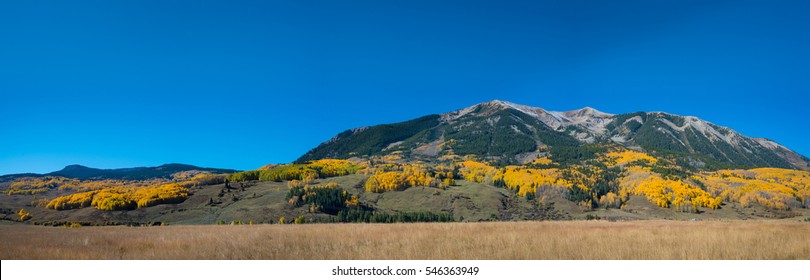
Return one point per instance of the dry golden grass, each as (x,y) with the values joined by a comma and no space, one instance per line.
(501,240)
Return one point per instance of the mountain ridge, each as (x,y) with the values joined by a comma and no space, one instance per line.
(82,172)
(504,130)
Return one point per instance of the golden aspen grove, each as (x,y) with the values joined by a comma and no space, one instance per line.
(639,175)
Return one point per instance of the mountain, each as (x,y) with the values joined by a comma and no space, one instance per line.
(508,132)
(494,161)
(135,173)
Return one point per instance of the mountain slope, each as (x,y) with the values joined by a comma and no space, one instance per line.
(369,140)
(506,132)
(703,141)
(492,130)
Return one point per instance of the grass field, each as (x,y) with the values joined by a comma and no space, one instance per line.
(496,240)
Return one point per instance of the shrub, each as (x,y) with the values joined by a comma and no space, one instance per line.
(24,216)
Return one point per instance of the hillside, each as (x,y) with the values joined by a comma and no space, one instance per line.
(625,186)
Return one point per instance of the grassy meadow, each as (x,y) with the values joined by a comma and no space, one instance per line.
(577,240)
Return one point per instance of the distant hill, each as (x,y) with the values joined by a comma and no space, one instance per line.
(135,173)
(508,132)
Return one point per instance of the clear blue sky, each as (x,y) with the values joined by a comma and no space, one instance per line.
(238,84)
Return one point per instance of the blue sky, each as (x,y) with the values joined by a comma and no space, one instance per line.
(238,84)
